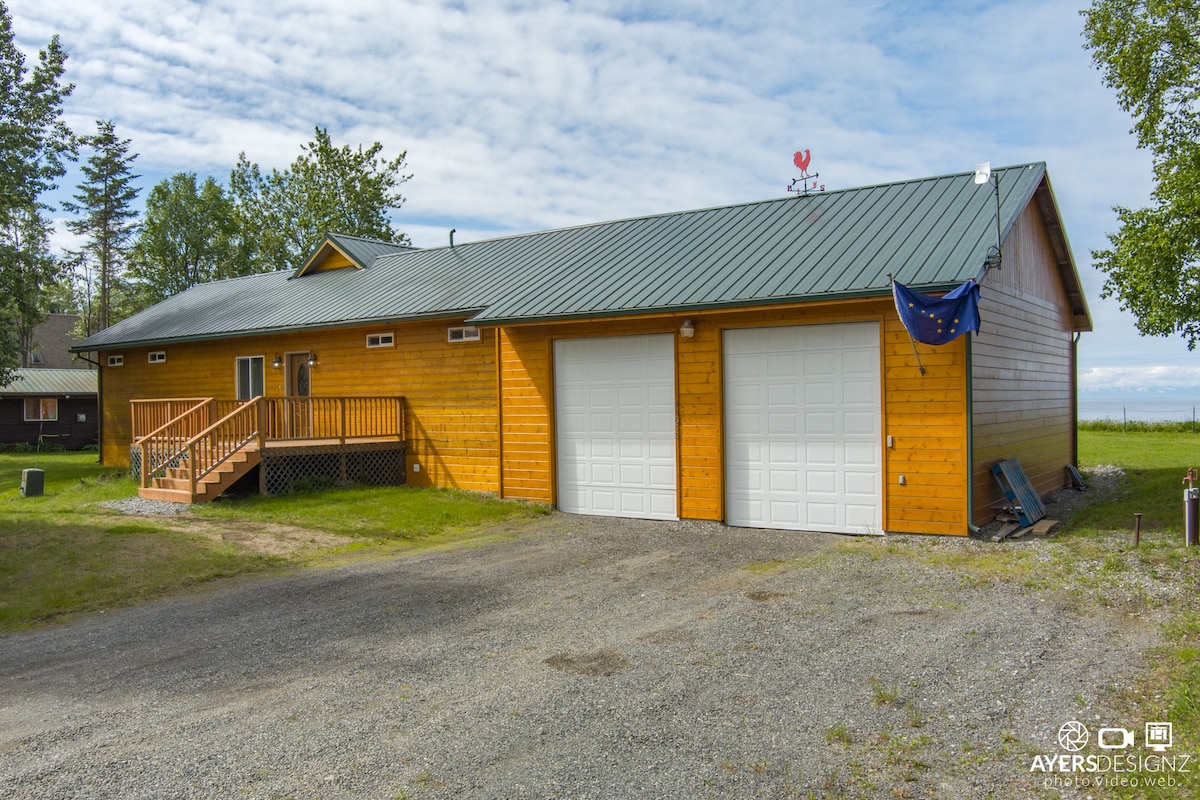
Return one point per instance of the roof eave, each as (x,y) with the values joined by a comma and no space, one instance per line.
(766,302)
(461,313)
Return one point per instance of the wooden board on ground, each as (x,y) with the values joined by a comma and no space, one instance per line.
(1044,526)
(1006,530)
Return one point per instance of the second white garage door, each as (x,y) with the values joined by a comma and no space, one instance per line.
(802,428)
(615,417)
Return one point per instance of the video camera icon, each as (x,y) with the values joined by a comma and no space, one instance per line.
(1114,738)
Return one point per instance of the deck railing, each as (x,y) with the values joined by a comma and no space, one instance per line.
(206,431)
(215,445)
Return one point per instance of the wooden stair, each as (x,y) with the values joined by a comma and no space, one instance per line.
(175,485)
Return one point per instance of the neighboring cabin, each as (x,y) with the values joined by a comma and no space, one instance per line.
(743,364)
(53,396)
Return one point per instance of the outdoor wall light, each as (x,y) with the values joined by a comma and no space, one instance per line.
(312,358)
(278,362)
(687,330)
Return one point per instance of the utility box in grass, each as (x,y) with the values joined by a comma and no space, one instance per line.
(32,481)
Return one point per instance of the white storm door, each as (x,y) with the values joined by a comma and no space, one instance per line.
(803,423)
(615,419)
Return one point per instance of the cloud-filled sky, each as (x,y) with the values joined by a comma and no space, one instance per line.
(522,115)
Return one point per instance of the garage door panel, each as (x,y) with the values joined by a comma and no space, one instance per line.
(781,424)
(820,423)
(860,423)
(808,399)
(615,401)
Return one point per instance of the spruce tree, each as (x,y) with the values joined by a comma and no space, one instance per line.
(107,222)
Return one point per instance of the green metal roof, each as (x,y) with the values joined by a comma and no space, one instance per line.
(50,382)
(930,233)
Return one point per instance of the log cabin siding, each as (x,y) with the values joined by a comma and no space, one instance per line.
(925,415)
(449,388)
(1022,369)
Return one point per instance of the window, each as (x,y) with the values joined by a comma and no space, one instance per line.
(463,334)
(41,409)
(116,361)
(381,340)
(158,357)
(250,377)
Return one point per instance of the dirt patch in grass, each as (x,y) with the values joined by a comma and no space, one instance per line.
(268,539)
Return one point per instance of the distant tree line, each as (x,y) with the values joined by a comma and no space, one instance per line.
(191,231)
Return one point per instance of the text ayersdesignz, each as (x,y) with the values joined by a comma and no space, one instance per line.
(1116,763)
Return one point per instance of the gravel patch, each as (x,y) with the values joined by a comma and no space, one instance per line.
(581,657)
(140,507)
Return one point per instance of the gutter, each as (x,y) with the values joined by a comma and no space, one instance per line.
(85,347)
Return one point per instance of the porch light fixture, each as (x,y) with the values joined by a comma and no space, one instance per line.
(312,358)
(687,330)
(278,362)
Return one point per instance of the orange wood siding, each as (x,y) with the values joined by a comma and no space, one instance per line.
(527,431)
(450,389)
(334,261)
(1023,368)
(926,415)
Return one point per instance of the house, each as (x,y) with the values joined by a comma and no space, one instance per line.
(52,398)
(744,364)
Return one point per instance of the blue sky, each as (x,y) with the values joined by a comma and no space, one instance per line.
(521,115)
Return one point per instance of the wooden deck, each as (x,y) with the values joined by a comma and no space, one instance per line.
(191,450)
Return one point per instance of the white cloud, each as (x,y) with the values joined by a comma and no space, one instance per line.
(1139,378)
(520,115)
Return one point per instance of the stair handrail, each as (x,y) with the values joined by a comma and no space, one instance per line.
(225,437)
(152,465)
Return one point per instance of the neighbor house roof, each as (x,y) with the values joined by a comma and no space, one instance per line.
(52,340)
(50,382)
(931,233)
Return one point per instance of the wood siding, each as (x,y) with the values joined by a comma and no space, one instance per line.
(926,416)
(66,432)
(450,389)
(1022,369)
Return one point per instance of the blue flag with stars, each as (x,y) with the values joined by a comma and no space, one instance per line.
(937,320)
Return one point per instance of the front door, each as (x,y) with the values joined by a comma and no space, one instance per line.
(299,389)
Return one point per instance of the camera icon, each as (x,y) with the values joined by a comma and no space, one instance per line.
(1114,738)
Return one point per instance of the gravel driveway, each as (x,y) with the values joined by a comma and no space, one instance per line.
(582,658)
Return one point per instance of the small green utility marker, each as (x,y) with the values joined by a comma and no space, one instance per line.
(32,482)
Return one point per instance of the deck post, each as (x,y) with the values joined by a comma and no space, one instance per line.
(192,469)
(145,476)
(342,429)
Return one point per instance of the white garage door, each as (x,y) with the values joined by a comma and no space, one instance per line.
(615,414)
(802,427)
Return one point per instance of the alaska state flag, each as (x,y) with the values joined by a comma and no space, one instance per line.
(937,320)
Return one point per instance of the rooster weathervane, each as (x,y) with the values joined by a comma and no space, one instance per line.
(808,182)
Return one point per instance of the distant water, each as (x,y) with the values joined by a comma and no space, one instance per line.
(1139,409)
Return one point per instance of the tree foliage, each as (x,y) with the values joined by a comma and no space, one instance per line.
(188,236)
(1149,52)
(107,221)
(35,145)
(284,215)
